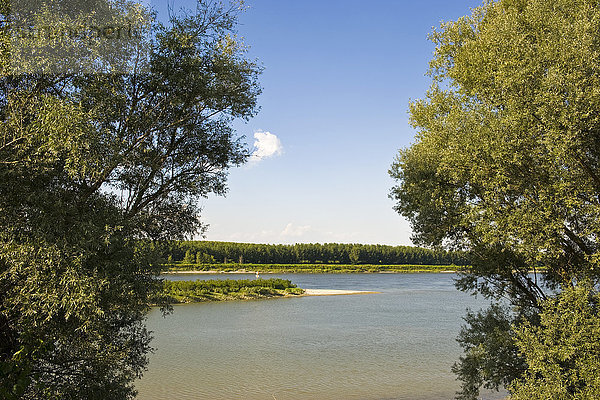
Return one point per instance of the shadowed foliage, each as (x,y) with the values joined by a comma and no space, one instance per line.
(94,157)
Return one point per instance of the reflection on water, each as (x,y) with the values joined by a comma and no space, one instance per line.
(399,344)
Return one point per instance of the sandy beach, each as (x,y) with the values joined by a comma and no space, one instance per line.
(333,292)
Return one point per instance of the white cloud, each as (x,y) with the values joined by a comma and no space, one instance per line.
(295,231)
(267,145)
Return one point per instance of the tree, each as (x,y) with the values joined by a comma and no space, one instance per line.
(506,163)
(563,352)
(97,168)
(189,258)
(203,258)
(354,254)
(492,359)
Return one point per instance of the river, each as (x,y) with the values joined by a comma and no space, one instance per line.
(397,344)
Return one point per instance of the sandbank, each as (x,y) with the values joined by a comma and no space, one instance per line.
(333,292)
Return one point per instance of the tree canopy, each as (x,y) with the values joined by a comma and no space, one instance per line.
(99,163)
(506,162)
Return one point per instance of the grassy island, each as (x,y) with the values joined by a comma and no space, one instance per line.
(177,292)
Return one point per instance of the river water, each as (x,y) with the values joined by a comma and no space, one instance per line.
(397,344)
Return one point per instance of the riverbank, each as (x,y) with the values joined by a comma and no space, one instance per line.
(305,268)
(334,292)
(261,293)
(243,271)
(264,293)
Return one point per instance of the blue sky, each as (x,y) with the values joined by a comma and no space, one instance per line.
(338,79)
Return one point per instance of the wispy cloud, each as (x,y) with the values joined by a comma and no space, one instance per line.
(295,231)
(266,145)
(291,233)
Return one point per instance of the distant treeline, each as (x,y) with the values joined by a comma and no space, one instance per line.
(206,252)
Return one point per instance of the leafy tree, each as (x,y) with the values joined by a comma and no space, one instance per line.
(354,254)
(492,359)
(189,257)
(506,163)
(203,258)
(563,352)
(97,168)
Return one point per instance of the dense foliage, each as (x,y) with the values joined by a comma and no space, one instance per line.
(226,289)
(562,352)
(506,163)
(306,253)
(92,160)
